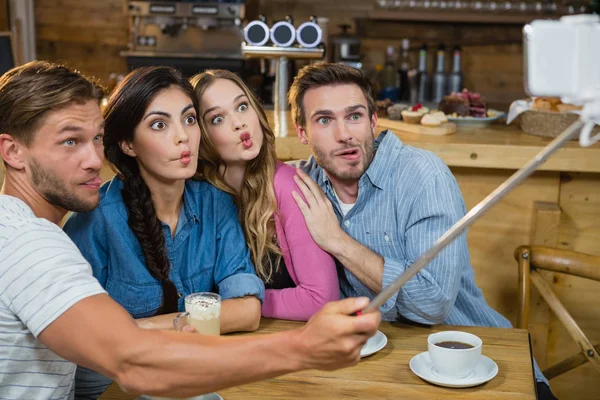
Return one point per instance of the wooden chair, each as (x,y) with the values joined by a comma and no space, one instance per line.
(532,258)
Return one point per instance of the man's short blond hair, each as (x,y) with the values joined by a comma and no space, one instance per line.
(29,92)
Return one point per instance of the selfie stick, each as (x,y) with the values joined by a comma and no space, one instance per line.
(474,215)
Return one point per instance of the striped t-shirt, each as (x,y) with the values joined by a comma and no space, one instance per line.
(42,274)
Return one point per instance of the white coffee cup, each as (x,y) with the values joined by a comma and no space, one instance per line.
(454,363)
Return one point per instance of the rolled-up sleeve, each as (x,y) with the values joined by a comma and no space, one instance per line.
(234,275)
(240,285)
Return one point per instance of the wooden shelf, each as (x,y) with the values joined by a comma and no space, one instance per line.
(456,16)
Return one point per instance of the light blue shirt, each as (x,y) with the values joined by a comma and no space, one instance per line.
(407,199)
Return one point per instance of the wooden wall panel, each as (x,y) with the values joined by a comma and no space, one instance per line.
(93,60)
(86,35)
(4,18)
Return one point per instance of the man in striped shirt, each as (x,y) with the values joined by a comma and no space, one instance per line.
(376,205)
(54,314)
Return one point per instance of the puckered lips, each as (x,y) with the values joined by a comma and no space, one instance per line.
(246,140)
(185,157)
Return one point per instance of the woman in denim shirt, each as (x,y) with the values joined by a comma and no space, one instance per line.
(156,235)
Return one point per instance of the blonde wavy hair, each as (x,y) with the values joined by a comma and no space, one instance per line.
(256,200)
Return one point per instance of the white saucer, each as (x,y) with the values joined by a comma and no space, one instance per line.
(208,396)
(484,371)
(374,344)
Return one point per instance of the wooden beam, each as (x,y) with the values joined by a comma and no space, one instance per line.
(545,223)
(524,288)
(567,365)
(450,16)
(567,262)
(569,323)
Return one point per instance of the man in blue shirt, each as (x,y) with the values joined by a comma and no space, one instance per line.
(382,204)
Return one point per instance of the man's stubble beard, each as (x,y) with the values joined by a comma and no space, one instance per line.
(53,190)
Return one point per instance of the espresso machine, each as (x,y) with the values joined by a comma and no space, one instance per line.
(190,35)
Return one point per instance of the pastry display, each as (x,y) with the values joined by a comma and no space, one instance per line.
(430,120)
(394,111)
(552,104)
(464,104)
(411,117)
(440,116)
(454,105)
(414,114)
(382,106)
(418,116)
(417,119)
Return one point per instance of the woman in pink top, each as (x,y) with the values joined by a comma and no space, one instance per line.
(237,154)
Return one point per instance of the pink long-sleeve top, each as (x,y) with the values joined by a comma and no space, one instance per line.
(312,269)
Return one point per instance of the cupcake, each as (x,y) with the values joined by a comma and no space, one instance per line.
(440,116)
(412,117)
(430,120)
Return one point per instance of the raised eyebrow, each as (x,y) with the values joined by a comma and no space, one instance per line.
(71,128)
(164,114)
(210,110)
(354,108)
(322,113)
(186,108)
(217,107)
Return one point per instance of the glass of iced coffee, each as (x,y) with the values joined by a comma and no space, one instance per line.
(203,312)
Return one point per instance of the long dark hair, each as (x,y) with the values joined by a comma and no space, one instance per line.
(124,111)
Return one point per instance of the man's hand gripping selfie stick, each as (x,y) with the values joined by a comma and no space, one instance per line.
(589,97)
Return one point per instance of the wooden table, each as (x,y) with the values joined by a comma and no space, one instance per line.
(386,374)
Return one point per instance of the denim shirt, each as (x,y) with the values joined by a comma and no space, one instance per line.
(207,253)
